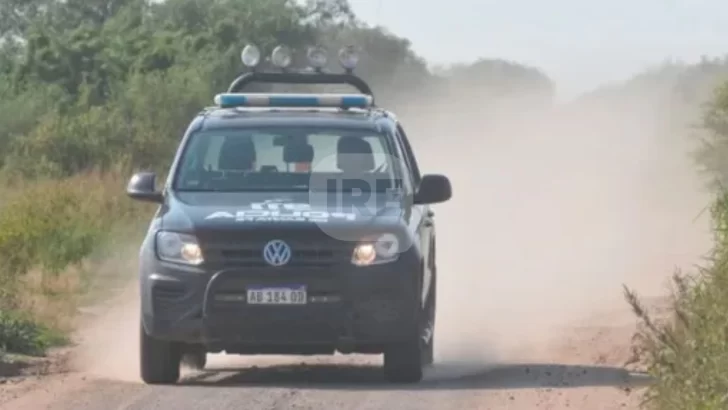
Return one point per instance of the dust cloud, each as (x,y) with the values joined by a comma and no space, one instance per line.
(553,211)
(109,343)
(108,337)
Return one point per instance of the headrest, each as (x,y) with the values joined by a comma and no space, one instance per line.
(237,154)
(354,154)
(297,152)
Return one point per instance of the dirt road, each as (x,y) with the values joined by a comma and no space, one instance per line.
(508,390)
(585,373)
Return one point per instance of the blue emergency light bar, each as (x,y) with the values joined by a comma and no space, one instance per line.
(230,100)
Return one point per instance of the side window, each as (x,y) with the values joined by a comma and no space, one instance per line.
(402,163)
(409,156)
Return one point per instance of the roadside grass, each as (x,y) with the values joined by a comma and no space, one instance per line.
(64,243)
(687,352)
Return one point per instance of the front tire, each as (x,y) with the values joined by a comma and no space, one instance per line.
(403,362)
(159,360)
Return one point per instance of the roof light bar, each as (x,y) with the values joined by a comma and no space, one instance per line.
(230,100)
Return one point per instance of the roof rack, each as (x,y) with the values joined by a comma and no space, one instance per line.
(294,77)
(281,57)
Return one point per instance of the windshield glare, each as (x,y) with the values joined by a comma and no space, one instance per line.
(287,159)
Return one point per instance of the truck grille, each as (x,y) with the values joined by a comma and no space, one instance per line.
(311,252)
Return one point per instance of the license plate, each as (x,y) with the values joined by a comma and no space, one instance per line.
(288,295)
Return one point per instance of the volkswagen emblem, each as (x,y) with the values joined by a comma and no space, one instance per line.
(277,253)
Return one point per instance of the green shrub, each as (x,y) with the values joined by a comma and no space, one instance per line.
(687,353)
(20,334)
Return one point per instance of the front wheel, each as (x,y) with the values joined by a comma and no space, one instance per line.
(403,362)
(159,360)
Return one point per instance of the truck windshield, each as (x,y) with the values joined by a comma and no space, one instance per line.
(287,159)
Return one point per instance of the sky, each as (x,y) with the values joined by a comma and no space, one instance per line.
(579,44)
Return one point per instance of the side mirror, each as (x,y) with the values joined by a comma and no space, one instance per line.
(433,189)
(142,187)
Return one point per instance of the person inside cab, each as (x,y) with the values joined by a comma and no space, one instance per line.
(298,155)
(301,154)
(237,154)
(354,156)
(355,160)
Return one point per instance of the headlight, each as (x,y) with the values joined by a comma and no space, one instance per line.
(179,248)
(377,250)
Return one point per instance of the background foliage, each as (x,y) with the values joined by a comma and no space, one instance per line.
(92,90)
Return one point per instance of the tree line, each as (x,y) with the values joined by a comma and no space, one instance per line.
(97,83)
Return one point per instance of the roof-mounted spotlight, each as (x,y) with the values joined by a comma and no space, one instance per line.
(349,58)
(250,56)
(317,58)
(281,57)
